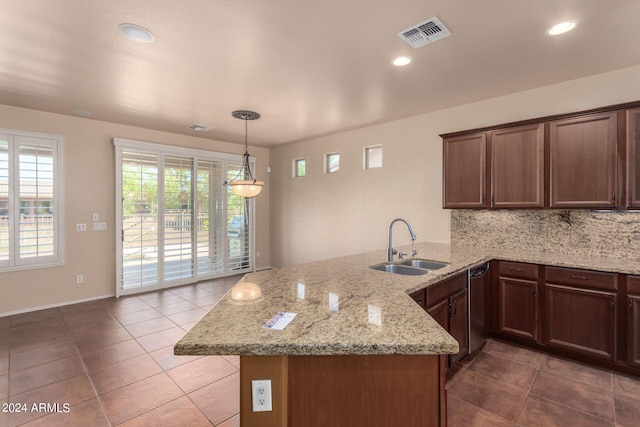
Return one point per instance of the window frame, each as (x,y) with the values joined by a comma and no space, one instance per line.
(295,167)
(55,143)
(366,157)
(327,162)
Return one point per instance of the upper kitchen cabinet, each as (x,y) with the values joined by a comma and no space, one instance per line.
(633,158)
(465,171)
(583,161)
(517,167)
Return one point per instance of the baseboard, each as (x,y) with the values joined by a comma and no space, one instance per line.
(61,304)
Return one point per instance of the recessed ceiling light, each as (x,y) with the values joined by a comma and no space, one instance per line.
(401,61)
(562,28)
(136,33)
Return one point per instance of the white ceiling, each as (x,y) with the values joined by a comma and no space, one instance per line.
(310,68)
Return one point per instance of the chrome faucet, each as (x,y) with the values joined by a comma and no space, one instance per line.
(390,250)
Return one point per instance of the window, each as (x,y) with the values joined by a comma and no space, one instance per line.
(299,167)
(332,163)
(30,200)
(373,157)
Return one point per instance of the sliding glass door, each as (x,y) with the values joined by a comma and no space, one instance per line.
(178,222)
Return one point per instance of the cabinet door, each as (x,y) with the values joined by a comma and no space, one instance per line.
(517,167)
(518,315)
(440,313)
(633,159)
(581,320)
(465,171)
(583,161)
(459,323)
(633,330)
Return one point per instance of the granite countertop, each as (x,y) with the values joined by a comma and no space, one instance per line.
(342,298)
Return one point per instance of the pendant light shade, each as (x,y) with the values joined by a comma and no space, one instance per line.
(244,184)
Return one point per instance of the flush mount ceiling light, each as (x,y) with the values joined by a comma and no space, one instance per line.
(136,33)
(562,27)
(401,61)
(244,184)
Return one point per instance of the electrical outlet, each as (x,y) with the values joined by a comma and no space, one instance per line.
(81,227)
(261,395)
(79,279)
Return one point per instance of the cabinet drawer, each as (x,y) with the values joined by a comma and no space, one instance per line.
(633,284)
(445,289)
(518,269)
(588,278)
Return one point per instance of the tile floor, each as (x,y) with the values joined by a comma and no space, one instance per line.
(112,361)
(507,385)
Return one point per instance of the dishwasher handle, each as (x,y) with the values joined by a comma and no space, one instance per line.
(479,271)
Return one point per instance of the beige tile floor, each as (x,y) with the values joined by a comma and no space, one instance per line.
(112,361)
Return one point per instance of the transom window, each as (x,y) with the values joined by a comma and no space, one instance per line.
(332,163)
(373,157)
(299,167)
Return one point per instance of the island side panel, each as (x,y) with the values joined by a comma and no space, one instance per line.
(272,368)
(381,390)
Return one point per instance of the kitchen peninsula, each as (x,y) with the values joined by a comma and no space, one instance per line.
(359,349)
(356,330)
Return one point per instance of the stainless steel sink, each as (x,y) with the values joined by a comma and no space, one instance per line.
(426,264)
(400,269)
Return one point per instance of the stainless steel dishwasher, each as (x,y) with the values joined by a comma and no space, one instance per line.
(478,287)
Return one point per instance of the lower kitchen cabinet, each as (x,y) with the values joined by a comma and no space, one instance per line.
(633,321)
(518,300)
(581,320)
(447,302)
(581,311)
(459,323)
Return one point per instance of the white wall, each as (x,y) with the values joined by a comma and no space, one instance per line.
(322,216)
(90,187)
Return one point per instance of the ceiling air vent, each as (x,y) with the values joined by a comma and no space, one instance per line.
(200,128)
(424,33)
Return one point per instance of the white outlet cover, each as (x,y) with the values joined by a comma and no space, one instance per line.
(261,395)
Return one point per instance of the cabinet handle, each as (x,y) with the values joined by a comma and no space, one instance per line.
(455,306)
(514,269)
(630,306)
(613,303)
(534,290)
(579,277)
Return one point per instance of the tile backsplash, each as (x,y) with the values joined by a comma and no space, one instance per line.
(575,232)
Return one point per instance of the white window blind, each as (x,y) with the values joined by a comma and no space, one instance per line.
(179,222)
(30,200)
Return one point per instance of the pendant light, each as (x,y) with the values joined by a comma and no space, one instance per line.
(244,184)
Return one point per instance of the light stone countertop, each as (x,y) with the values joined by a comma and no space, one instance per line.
(323,329)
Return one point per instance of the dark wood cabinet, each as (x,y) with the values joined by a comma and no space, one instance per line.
(518,313)
(465,167)
(459,323)
(447,302)
(517,167)
(583,161)
(440,313)
(419,298)
(633,159)
(581,311)
(633,321)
